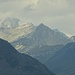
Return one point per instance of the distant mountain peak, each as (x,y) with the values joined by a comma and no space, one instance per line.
(42,27)
(42,24)
(9,22)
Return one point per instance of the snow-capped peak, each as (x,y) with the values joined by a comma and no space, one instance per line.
(9,22)
(25,25)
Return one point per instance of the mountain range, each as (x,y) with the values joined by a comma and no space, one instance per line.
(14,63)
(25,36)
(42,35)
(63,62)
(44,53)
(50,46)
(10,29)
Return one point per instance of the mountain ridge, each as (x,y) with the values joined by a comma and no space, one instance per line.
(42,35)
(12,62)
(62,63)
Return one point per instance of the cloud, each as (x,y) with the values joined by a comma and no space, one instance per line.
(64,23)
(55,13)
(3,15)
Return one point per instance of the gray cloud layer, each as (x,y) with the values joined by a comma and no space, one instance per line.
(55,13)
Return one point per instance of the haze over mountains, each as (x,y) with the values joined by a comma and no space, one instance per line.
(41,42)
(27,35)
(42,35)
(10,29)
(14,63)
(44,53)
(63,62)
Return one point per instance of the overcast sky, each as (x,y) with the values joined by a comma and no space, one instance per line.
(58,14)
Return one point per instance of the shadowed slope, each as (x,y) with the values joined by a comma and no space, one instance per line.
(15,63)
